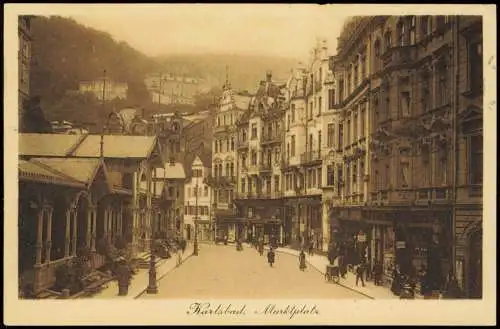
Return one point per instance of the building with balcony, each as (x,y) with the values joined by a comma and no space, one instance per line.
(409,123)
(198,202)
(308,90)
(224,161)
(260,132)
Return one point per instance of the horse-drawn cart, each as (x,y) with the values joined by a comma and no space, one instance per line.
(332,274)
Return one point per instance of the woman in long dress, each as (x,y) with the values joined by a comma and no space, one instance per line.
(302,260)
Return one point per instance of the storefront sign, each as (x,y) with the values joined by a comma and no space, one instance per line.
(400,244)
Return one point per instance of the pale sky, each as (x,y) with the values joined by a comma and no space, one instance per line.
(251,29)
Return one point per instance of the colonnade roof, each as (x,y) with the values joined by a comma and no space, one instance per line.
(36,172)
(86,146)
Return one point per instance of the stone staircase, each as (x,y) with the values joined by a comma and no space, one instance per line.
(144,259)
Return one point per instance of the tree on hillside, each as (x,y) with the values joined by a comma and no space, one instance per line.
(66,53)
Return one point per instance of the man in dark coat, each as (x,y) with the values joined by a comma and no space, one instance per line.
(270,257)
(360,271)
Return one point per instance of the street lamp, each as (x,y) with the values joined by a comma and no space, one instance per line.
(152,287)
(195,246)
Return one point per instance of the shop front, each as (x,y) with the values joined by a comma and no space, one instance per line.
(412,239)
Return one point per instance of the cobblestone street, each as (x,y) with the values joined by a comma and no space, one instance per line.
(222,272)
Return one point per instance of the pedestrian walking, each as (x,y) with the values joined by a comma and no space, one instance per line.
(179,257)
(311,248)
(261,248)
(360,269)
(302,260)
(342,266)
(396,281)
(270,257)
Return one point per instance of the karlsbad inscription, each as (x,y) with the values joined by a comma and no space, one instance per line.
(288,310)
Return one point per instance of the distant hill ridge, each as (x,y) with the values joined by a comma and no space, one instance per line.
(65,53)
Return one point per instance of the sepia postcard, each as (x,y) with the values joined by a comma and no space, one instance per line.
(249,164)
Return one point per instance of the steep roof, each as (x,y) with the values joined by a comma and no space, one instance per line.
(34,172)
(47,144)
(81,170)
(116,146)
(175,171)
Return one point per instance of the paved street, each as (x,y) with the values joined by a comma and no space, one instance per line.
(222,272)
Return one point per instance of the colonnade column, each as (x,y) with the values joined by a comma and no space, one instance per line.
(39,236)
(75,233)
(48,245)
(89,227)
(94,227)
(67,240)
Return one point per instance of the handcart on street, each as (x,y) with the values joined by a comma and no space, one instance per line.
(332,273)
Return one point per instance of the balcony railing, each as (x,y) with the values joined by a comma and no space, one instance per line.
(432,195)
(265,167)
(397,56)
(271,138)
(259,195)
(242,144)
(311,156)
(225,180)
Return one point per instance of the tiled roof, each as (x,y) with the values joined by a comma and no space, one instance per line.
(116,146)
(47,144)
(32,171)
(82,170)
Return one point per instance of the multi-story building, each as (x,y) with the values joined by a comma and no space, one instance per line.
(198,202)
(348,140)
(224,161)
(468,221)
(410,120)
(170,89)
(23,59)
(259,146)
(104,87)
(303,152)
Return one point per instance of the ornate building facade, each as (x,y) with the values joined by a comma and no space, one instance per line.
(411,121)
(224,161)
(259,185)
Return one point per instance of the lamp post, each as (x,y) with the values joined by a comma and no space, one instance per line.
(152,287)
(195,245)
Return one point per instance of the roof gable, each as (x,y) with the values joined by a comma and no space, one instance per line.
(116,146)
(42,145)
